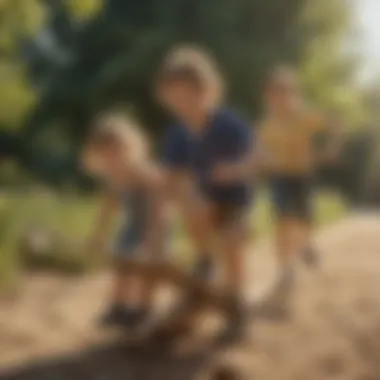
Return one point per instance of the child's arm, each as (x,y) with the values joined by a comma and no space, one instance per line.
(333,144)
(333,131)
(102,225)
(239,170)
(245,168)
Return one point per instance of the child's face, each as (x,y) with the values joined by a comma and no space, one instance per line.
(108,157)
(280,96)
(182,98)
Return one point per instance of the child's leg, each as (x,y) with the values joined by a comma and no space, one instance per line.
(293,206)
(200,228)
(286,223)
(285,235)
(137,291)
(147,287)
(122,288)
(145,295)
(121,298)
(304,213)
(286,230)
(293,233)
(233,232)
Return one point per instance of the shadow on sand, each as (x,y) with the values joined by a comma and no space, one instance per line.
(123,360)
(119,361)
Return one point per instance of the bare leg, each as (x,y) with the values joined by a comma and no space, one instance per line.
(121,296)
(286,231)
(145,296)
(199,226)
(233,236)
(306,245)
(122,288)
(286,250)
(232,245)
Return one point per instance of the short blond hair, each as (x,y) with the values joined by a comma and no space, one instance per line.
(284,75)
(111,128)
(195,64)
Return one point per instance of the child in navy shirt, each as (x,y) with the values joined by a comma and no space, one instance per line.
(203,136)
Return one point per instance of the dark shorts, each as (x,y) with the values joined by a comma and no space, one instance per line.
(292,196)
(128,239)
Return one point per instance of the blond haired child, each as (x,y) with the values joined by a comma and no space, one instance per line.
(116,151)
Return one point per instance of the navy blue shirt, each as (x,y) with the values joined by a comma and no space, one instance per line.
(226,139)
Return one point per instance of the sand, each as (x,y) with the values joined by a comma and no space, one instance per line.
(332,331)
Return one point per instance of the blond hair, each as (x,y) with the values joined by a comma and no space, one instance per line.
(203,66)
(284,75)
(115,128)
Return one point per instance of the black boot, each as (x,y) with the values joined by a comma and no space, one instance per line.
(310,257)
(120,316)
(235,321)
(204,268)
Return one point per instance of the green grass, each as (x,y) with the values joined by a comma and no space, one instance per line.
(72,216)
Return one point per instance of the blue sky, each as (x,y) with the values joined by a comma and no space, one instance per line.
(368,13)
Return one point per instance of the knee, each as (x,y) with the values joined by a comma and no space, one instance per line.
(233,243)
(198,222)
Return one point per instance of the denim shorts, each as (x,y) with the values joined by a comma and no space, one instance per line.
(292,196)
(128,239)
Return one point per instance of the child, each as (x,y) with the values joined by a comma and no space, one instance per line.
(286,144)
(116,152)
(205,134)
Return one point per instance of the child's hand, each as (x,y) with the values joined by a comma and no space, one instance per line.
(224,173)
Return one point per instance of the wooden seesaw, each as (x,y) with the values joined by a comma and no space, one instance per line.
(175,322)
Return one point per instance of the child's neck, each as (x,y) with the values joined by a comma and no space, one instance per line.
(288,111)
(199,120)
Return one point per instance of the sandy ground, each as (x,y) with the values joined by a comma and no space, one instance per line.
(333,331)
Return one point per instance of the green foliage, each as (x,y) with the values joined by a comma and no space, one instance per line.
(328,70)
(371,191)
(18,20)
(41,211)
(83,9)
(105,53)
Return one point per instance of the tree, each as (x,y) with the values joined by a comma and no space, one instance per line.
(18,20)
(328,69)
(106,53)
(371,182)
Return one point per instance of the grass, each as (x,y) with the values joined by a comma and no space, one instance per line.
(72,216)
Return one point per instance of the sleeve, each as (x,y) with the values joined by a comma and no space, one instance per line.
(175,152)
(238,139)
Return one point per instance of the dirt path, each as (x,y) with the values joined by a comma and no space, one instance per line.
(333,332)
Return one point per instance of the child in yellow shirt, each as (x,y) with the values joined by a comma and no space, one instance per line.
(286,151)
